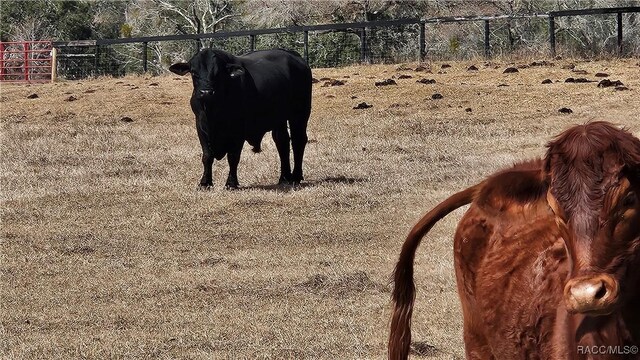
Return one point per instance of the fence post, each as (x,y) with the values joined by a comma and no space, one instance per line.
(306,46)
(144,56)
(25,47)
(423,45)
(487,46)
(252,42)
(509,35)
(2,73)
(363,45)
(552,36)
(54,64)
(96,62)
(619,34)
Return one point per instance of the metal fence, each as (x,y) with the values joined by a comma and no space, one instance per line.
(334,45)
(25,61)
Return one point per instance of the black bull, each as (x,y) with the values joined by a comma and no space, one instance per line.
(240,98)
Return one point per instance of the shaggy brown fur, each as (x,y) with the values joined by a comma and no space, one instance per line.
(546,257)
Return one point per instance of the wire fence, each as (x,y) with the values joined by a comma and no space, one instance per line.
(575,33)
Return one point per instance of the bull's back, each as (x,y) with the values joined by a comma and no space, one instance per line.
(277,73)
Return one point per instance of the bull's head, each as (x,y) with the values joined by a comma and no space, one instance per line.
(211,72)
(594,176)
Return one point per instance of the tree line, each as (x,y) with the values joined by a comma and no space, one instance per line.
(102,19)
(108,19)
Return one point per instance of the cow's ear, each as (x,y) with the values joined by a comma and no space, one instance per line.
(180,68)
(235,70)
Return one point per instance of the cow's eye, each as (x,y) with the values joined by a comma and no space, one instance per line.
(629,200)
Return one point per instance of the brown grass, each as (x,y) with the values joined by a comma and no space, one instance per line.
(109,251)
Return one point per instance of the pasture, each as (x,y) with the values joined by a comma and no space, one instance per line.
(109,250)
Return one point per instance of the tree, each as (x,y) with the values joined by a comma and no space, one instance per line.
(108,18)
(198,16)
(25,20)
(281,13)
(154,17)
(170,17)
(39,20)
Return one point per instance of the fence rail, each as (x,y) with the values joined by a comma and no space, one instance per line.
(321,45)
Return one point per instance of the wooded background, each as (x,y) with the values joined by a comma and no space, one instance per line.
(579,36)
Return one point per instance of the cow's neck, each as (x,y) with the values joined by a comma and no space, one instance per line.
(573,334)
(562,340)
(601,330)
(631,313)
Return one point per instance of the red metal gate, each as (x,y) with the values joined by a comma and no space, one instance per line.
(26,61)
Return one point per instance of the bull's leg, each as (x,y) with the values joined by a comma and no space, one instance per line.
(233,157)
(281,138)
(207,175)
(298,143)
(207,163)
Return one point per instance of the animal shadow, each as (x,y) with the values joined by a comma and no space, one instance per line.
(340,179)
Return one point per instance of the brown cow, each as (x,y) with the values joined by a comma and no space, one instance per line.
(547,257)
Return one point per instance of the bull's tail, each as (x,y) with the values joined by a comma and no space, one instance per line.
(256,142)
(403,294)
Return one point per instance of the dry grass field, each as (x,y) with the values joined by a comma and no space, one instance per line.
(108,250)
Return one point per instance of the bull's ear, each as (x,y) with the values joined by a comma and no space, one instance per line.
(180,68)
(235,70)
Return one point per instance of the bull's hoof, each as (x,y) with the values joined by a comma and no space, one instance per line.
(205,183)
(296,178)
(289,183)
(286,179)
(231,186)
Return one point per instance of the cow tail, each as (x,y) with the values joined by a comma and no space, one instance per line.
(403,294)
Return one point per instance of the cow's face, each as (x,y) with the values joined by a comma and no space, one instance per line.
(212,73)
(605,248)
(594,175)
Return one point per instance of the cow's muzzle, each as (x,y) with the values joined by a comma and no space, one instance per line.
(591,295)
